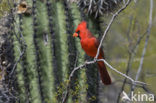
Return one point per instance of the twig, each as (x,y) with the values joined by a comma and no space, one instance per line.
(132,53)
(109,25)
(129,29)
(146,43)
(124,75)
(21,40)
(127,72)
(95,59)
(13,69)
(70,77)
(91,62)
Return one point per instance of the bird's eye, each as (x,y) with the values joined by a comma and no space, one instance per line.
(78,32)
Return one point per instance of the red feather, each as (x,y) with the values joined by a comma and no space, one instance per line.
(90,45)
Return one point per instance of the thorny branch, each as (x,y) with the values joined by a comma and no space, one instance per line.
(65,95)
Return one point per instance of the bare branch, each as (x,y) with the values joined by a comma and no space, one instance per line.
(21,40)
(65,96)
(109,25)
(146,43)
(122,74)
(129,60)
(132,53)
(91,62)
(13,69)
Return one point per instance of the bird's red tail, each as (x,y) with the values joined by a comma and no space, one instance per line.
(104,73)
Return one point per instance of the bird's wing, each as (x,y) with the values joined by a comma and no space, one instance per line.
(97,43)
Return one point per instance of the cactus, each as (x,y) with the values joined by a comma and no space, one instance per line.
(6,61)
(43,30)
(98,7)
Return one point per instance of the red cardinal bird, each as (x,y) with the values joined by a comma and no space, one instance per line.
(90,44)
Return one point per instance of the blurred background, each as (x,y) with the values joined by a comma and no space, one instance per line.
(46,27)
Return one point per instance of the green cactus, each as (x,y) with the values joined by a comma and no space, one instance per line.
(51,53)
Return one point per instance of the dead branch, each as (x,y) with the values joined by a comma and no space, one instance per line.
(146,43)
(132,53)
(65,95)
(109,25)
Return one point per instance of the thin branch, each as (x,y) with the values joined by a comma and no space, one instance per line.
(91,62)
(65,97)
(129,29)
(109,25)
(21,40)
(64,100)
(146,43)
(122,74)
(127,72)
(13,69)
(132,53)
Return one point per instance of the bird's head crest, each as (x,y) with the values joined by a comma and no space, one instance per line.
(80,28)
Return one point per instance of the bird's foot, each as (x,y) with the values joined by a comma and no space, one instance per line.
(95,59)
(86,61)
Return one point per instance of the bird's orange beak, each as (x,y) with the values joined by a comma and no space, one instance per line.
(75,35)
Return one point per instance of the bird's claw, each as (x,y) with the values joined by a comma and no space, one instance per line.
(95,59)
(86,61)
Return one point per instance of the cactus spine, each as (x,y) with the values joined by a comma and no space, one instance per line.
(51,54)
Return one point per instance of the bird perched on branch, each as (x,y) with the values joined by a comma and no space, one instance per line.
(90,45)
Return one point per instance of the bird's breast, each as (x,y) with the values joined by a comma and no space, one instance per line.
(89,47)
